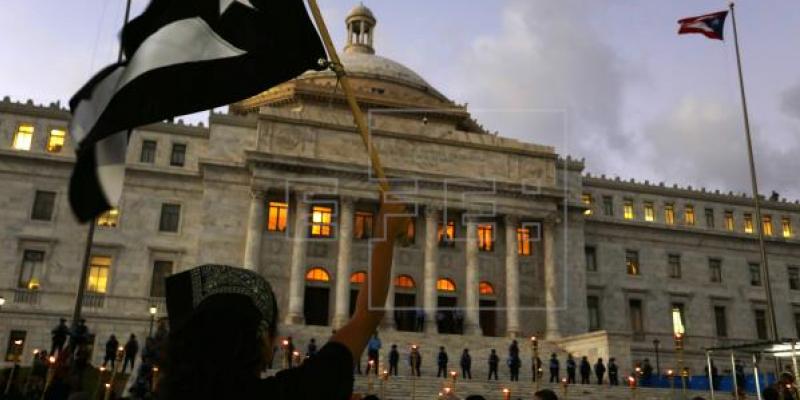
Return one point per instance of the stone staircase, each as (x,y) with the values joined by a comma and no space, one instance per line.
(479,348)
(427,388)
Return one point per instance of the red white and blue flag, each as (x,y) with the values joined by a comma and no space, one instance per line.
(710,25)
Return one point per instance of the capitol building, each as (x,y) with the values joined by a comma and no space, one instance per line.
(509,239)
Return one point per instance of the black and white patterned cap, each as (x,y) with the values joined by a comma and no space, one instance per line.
(186,291)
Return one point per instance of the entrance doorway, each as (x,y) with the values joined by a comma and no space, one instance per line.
(316,305)
(446,315)
(405,317)
(488,317)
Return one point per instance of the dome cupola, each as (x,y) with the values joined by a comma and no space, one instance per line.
(360,26)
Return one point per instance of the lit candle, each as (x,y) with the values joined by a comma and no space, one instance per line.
(506,394)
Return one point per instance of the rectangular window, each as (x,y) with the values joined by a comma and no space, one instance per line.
(593,305)
(277,216)
(178,156)
(591,258)
(321,221)
(56,140)
(678,318)
(363,225)
(688,215)
(23,138)
(486,237)
(148,154)
(674,261)
(16,344)
(161,270)
(786,227)
(97,280)
(669,214)
(709,217)
(170,217)
(43,204)
(447,236)
(628,209)
(109,219)
(588,201)
(632,262)
(715,270)
(755,274)
(793,274)
(524,241)
(411,231)
(32,269)
(729,224)
(636,318)
(761,324)
(721,321)
(766,225)
(608,206)
(649,212)
(748,223)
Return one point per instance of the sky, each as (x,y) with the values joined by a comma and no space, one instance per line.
(605,80)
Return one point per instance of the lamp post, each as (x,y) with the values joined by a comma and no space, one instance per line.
(371,364)
(453,375)
(564,386)
(535,353)
(656,343)
(285,349)
(153,312)
(632,383)
(671,377)
(413,374)
(384,379)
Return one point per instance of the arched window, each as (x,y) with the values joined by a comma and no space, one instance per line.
(317,275)
(445,285)
(486,289)
(404,281)
(358,277)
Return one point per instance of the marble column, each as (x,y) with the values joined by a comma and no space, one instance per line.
(298,265)
(512,277)
(472,298)
(430,275)
(551,281)
(255,229)
(343,268)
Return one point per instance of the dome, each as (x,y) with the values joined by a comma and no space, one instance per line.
(360,11)
(376,67)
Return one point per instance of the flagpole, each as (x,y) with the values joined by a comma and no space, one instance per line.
(358,115)
(756,200)
(87,254)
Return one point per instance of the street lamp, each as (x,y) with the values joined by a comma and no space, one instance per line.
(2,302)
(656,343)
(153,312)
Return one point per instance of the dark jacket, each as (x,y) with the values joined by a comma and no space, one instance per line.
(494,360)
(442,358)
(466,361)
(586,368)
(131,348)
(394,357)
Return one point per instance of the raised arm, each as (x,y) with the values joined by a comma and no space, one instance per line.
(355,334)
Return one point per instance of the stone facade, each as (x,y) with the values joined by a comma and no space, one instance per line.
(296,144)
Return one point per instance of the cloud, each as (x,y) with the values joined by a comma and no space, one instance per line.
(701,142)
(790,101)
(548,57)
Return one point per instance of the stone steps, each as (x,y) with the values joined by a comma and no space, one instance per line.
(401,387)
(479,348)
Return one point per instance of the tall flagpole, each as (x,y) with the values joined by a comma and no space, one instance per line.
(773,323)
(358,115)
(87,254)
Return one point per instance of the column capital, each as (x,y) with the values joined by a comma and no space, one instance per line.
(551,218)
(347,199)
(258,193)
(431,207)
(511,219)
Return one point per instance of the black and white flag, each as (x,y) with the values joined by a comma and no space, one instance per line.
(181,56)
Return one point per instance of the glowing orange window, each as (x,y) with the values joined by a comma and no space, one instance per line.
(318,275)
(445,285)
(321,221)
(277,216)
(446,236)
(486,288)
(485,237)
(404,281)
(358,277)
(524,241)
